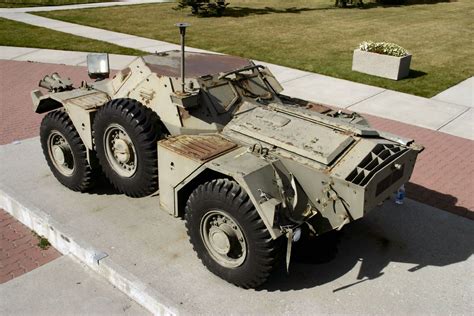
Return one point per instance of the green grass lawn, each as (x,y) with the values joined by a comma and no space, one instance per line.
(313,35)
(36,3)
(24,35)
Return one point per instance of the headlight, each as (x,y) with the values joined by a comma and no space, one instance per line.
(98,66)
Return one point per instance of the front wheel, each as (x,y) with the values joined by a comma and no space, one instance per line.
(228,234)
(65,152)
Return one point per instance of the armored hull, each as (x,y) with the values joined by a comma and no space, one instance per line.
(244,164)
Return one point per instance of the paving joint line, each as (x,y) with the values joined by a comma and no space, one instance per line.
(286,81)
(454,118)
(21,55)
(365,99)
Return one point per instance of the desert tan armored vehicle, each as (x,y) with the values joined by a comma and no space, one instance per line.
(245,165)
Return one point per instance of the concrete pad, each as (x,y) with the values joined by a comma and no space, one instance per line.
(53,56)
(80,6)
(93,33)
(160,48)
(33,19)
(137,42)
(462,93)
(282,73)
(116,62)
(164,47)
(330,91)
(410,109)
(7,52)
(64,287)
(66,27)
(409,259)
(462,126)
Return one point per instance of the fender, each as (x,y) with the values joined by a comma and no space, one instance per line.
(80,104)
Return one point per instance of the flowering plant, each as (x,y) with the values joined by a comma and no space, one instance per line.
(383,48)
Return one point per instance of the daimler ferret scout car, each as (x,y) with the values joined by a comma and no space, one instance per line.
(245,165)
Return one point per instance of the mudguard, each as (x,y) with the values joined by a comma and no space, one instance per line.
(78,103)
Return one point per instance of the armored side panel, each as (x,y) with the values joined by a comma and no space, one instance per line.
(180,157)
(183,159)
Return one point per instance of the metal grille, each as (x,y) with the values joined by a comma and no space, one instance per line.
(381,155)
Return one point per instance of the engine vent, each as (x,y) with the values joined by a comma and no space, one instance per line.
(381,155)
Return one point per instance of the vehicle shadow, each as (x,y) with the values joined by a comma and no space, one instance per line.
(102,186)
(437,199)
(411,233)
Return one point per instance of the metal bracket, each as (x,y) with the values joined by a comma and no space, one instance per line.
(99,256)
(289,236)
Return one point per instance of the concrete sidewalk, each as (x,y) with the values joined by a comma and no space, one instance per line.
(51,56)
(64,287)
(80,6)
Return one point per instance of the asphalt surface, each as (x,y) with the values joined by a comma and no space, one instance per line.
(400,259)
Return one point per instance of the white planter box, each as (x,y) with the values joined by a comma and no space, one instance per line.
(386,66)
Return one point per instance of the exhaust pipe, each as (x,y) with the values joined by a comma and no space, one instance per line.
(182,31)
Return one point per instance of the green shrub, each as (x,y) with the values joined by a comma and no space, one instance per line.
(204,7)
(383,48)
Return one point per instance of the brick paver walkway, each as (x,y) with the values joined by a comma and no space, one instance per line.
(17,80)
(443,176)
(444,172)
(19,250)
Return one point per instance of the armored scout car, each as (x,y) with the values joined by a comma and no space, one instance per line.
(245,165)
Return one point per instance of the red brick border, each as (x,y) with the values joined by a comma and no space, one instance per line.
(444,173)
(19,250)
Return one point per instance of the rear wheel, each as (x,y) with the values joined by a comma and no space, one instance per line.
(228,234)
(65,152)
(125,134)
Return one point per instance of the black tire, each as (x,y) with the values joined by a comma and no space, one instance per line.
(141,126)
(230,199)
(75,173)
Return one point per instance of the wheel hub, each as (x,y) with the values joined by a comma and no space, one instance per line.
(223,238)
(59,154)
(121,150)
(219,240)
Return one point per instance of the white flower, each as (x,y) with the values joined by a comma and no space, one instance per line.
(383,48)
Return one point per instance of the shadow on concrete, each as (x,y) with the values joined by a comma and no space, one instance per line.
(417,236)
(103,187)
(442,201)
